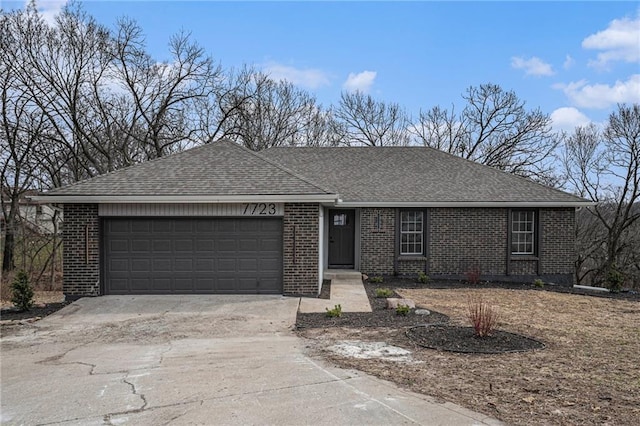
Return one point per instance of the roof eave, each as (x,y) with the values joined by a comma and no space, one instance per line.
(477,204)
(187,199)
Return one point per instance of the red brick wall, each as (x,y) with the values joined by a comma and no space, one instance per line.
(81,272)
(300,228)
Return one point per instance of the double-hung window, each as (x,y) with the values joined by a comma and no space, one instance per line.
(523,232)
(411,232)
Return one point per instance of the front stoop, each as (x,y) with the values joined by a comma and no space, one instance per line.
(342,274)
(347,290)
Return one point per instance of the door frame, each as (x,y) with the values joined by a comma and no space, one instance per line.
(356,238)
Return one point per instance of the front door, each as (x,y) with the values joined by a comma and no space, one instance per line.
(341,238)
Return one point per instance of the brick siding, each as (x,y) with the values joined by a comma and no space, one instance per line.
(464,239)
(81,264)
(300,239)
(377,243)
(557,243)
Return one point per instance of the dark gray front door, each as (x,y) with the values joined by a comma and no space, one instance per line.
(341,238)
(192,255)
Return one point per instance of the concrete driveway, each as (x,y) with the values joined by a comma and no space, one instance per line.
(153,360)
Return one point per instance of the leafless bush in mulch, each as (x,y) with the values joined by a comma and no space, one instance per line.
(587,374)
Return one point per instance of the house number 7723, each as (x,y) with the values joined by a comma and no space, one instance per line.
(262,209)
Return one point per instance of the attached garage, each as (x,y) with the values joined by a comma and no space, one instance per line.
(171,255)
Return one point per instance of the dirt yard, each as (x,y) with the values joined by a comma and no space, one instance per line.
(589,372)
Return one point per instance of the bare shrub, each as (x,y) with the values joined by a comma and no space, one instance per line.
(482,316)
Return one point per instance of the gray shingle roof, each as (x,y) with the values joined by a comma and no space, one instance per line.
(411,174)
(221,168)
(357,174)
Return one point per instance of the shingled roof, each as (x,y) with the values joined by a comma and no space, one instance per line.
(218,171)
(393,175)
(351,176)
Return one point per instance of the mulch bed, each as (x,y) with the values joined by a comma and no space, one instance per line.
(462,339)
(36,311)
(380,317)
(429,331)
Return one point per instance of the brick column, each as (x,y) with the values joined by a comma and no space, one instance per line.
(300,238)
(81,250)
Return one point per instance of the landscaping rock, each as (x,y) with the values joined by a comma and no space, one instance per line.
(393,302)
(365,277)
(422,312)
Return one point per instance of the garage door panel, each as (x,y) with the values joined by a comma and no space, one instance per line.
(140,265)
(183,245)
(183,265)
(161,245)
(119,227)
(140,245)
(205,245)
(227,244)
(193,255)
(161,225)
(270,244)
(227,265)
(161,265)
(119,265)
(205,265)
(248,265)
(161,284)
(116,246)
(140,226)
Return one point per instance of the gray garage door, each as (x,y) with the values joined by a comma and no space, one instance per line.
(192,255)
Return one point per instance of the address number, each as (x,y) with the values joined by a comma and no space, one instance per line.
(259,209)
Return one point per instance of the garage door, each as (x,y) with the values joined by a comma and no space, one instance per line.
(192,255)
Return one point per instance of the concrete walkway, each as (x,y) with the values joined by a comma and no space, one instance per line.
(192,360)
(347,290)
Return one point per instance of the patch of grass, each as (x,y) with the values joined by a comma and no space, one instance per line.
(403,310)
(538,283)
(383,292)
(376,279)
(423,277)
(335,312)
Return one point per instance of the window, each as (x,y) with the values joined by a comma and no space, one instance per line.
(411,232)
(340,219)
(522,232)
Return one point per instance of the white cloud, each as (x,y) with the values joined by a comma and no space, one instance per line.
(568,62)
(532,66)
(360,82)
(619,42)
(568,118)
(587,95)
(308,77)
(49,9)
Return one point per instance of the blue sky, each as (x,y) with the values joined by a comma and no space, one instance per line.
(572,59)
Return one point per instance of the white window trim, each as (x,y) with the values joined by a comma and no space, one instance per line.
(412,233)
(532,233)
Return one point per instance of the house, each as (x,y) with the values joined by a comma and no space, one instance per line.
(222,219)
(33,216)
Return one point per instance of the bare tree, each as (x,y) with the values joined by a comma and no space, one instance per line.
(163,100)
(603,166)
(21,130)
(275,113)
(493,129)
(361,120)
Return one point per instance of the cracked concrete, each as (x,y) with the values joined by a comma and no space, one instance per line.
(154,360)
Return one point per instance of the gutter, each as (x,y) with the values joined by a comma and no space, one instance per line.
(477,204)
(188,199)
